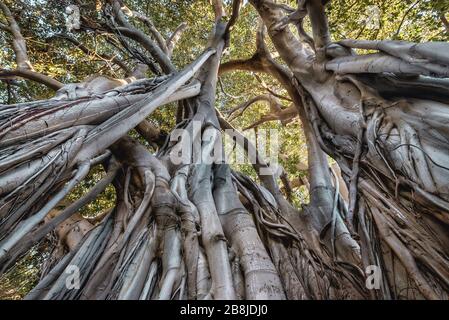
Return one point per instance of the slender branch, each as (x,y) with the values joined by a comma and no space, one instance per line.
(236,5)
(222,88)
(320,26)
(4,27)
(18,42)
(251,64)
(246,104)
(88,51)
(153,30)
(272,92)
(303,35)
(445,22)
(218,10)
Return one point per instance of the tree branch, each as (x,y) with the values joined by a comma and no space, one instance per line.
(218,10)
(266,87)
(251,64)
(416,58)
(445,22)
(245,105)
(148,131)
(4,27)
(135,34)
(320,26)
(287,45)
(268,180)
(31,75)
(153,30)
(405,16)
(285,116)
(24,67)
(236,4)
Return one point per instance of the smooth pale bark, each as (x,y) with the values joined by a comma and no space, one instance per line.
(199,230)
(402,154)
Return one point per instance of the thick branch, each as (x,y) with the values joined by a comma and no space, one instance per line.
(247,65)
(377,63)
(154,32)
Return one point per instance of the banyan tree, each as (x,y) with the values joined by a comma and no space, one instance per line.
(185,224)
